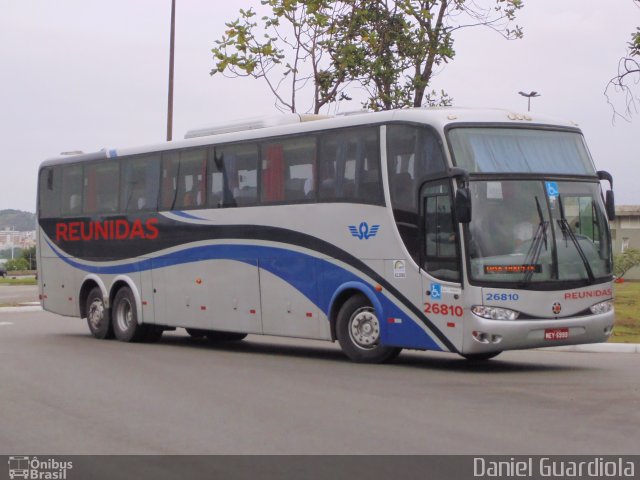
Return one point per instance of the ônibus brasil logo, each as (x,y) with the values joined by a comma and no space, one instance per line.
(37,469)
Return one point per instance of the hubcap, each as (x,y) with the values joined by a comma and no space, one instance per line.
(364,328)
(96,313)
(124,315)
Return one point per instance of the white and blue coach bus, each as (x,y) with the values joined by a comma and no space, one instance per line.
(458,230)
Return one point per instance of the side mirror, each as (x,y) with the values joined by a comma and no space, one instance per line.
(463,205)
(610,205)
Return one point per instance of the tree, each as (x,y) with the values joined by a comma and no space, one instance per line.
(625,82)
(29,256)
(625,261)
(16,265)
(391,49)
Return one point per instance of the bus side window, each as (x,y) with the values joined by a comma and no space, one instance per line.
(101,187)
(168,181)
(48,192)
(239,181)
(349,167)
(140,183)
(71,201)
(288,170)
(191,179)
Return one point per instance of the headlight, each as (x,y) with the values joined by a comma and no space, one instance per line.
(495,313)
(602,307)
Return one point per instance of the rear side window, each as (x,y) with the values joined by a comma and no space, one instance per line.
(288,170)
(49,192)
(349,167)
(71,197)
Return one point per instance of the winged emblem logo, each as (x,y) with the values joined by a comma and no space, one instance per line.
(364,231)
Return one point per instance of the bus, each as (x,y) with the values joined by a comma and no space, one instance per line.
(457,230)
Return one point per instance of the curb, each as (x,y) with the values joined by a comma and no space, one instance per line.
(21,309)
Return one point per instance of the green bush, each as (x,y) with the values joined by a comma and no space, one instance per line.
(625,261)
(17,264)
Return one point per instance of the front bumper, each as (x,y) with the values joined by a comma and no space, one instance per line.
(520,334)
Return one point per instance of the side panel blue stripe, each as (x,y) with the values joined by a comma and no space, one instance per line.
(293,267)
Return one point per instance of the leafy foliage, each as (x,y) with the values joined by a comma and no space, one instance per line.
(624,83)
(391,49)
(17,264)
(625,261)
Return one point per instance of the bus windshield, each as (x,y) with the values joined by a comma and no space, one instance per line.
(520,150)
(533,231)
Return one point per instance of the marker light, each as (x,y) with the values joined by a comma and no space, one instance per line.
(495,313)
(602,307)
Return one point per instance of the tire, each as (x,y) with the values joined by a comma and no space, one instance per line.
(214,336)
(358,332)
(480,357)
(124,318)
(98,317)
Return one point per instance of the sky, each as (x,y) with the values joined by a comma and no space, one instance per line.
(88,74)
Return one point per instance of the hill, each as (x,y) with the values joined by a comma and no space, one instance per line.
(17,220)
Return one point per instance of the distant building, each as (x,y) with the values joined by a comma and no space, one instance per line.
(12,238)
(625,233)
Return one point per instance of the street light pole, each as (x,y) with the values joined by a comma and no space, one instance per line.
(529,95)
(171,49)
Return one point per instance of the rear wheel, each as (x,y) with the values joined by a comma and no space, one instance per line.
(124,316)
(98,315)
(358,330)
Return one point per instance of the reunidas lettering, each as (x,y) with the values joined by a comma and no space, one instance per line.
(107,230)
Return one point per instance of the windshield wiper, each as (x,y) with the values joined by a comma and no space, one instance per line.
(533,255)
(568,232)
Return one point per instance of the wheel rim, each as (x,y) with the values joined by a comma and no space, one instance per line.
(364,328)
(96,314)
(124,315)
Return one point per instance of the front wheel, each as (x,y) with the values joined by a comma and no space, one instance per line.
(358,330)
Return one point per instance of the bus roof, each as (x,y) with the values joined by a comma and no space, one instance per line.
(255,129)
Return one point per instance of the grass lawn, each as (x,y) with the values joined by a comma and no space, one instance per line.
(26,280)
(627,305)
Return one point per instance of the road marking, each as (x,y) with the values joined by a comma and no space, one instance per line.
(6,323)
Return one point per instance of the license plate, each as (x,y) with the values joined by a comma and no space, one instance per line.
(556,333)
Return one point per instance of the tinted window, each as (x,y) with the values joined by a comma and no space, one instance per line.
(413,153)
(183,179)
(139,182)
(288,170)
(349,166)
(101,187)
(440,242)
(238,166)
(49,192)
(71,198)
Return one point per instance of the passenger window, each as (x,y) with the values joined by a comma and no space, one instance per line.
(140,177)
(239,167)
(440,238)
(349,167)
(101,187)
(288,170)
(48,194)
(71,198)
(183,180)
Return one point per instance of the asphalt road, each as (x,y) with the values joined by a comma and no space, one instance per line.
(16,294)
(63,392)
